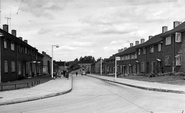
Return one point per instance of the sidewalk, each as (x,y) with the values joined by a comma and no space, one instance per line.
(153,86)
(51,88)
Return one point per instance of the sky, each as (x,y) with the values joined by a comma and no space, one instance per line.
(88,27)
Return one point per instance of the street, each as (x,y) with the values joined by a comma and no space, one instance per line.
(90,95)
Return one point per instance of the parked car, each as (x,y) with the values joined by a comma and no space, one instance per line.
(83,73)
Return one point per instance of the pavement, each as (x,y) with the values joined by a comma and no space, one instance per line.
(153,86)
(62,86)
(51,88)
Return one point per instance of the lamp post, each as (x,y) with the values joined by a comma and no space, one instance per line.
(52,59)
(116,59)
(101,66)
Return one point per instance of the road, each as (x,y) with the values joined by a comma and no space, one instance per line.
(90,95)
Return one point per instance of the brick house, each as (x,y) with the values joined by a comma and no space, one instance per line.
(46,64)
(17,58)
(161,53)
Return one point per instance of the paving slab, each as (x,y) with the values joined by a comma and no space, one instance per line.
(51,88)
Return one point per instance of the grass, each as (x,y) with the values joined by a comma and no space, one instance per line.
(175,80)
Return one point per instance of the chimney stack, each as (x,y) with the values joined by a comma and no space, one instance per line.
(20,38)
(149,37)
(14,32)
(131,44)
(142,40)
(176,23)
(164,29)
(5,27)
(136,43)
(26,41)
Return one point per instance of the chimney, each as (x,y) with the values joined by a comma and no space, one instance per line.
(142,40)
(43,52)
(14,32)
(20,38)
(124,48)
(136,43)
(26,41)
(164,29)
(5,27)
(149,37)
(131,44)
(176,23)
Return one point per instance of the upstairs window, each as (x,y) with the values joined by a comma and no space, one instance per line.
(12,46)
(139,51)
(144,50)
(178,37)
(5,43)
(159,47)
(178,59)
(168,40)
(167,60)
(151,49)
(128,57)
(26,50)
(132,56)
(135,55)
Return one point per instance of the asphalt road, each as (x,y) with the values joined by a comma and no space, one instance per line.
(90,95)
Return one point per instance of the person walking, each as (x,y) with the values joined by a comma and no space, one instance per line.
(76,73)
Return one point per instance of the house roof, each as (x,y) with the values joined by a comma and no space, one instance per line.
(14,38)
(179,28)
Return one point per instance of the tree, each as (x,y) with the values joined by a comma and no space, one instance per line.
(87,59)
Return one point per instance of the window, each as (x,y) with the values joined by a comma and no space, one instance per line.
(13,66)
(178,37)
(168,40)
(144,50)
(128,57)
(132,56)
(136,55)
(151,49)
(178,59)
(5,43)
(26,51)
(5,66)
(139,51)
(167,60)
(12,46)
(159,47)
(19,68)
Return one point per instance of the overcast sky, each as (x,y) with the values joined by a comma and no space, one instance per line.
(89,27)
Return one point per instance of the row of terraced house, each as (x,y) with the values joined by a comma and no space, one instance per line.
(162,53)
(20,60)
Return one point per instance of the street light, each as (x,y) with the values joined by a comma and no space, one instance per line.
(116,59)
(101,66)
(52,59)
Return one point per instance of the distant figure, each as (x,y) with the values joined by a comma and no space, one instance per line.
(67,74)
(64,73)
(76,73)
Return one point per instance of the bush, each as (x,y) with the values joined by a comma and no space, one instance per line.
(151,75)
(179,74)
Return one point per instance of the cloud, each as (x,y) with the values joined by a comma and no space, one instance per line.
(43,8)
(44,31)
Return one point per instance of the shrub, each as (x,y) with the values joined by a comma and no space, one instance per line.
(179,74)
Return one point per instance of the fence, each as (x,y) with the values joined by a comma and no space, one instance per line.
(5,87)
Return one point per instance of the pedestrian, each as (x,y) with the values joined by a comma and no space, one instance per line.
(76,73)
(67,75)
(64,73)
